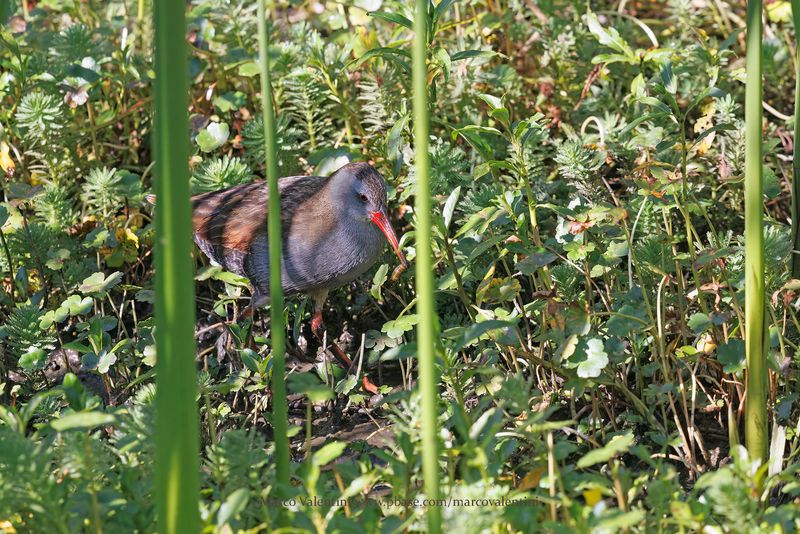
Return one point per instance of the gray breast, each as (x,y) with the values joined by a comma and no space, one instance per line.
(340,258)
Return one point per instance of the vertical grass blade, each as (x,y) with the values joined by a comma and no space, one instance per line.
(177,435)
(277,328)
(796,150)
(755,406)
(427,326)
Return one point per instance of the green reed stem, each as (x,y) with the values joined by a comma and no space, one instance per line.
(428,323)
(277,326)
(177,434)
(796,150)
(756,403)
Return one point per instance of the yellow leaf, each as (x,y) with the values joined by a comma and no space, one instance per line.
(779,11)
(704,123)
(6,163)
(592,496)
(707,120)
(126,235)
(531,480)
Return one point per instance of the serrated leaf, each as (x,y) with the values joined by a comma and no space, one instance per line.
(398,327)
(731,355)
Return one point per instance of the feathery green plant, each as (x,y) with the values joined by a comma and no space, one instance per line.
(219,173)
(177,435)
(428,324)
(309,105)
(277,328)
(105,190)
(756,402)
(286,140)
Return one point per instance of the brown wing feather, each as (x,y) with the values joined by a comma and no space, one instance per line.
(227,222)
(231,218)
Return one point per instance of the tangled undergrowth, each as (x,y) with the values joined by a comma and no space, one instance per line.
(587,168)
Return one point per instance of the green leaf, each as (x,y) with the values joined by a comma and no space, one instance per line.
(620,521)
(535,261)
(307,384)
(7,8)
(477,330)
(233,506)
(698,322)
(444,61)
(389,54)
(346,386)
(57,258)
(33,360)
(392,17)
(450,206)
(398,327)
(596,359)
(731,355)
(609,37)
(378,280)
(249,360)
(77,305)
(468,54)
(82,421)
(328,453)
(493,101)
(98,284)
(441,7)
(249,69)
(213,136)
(668,79)
(617,445)
(100,363)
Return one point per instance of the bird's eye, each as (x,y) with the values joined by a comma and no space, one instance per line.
(363,197)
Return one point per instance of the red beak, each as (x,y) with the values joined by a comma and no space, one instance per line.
(382,222)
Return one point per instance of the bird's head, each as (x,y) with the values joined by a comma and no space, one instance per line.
(362,196)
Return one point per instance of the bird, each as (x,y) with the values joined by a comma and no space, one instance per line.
(333,230)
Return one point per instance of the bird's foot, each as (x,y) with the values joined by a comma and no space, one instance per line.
(318,325)
(318,328)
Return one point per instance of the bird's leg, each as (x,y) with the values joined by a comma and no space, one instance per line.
(318,329)
(257,299)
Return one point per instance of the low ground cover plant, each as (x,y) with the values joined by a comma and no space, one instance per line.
(587,170)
